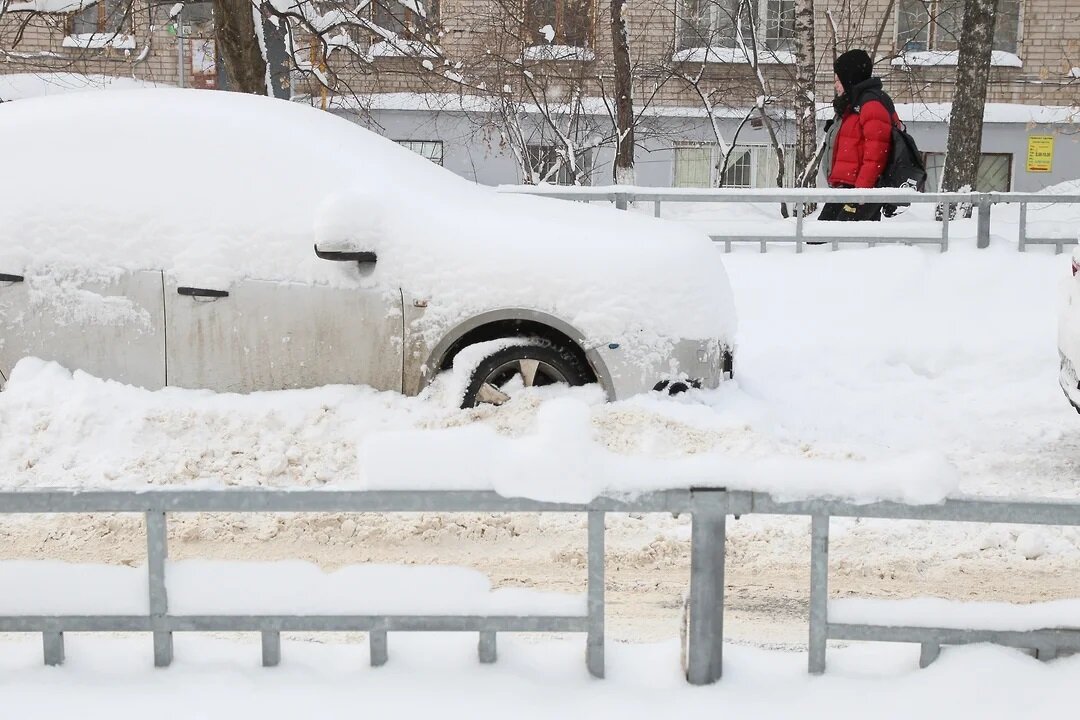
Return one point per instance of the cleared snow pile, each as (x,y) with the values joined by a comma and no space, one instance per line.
(561,461)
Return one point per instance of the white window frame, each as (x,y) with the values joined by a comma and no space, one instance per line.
(420,147)
(932,43)
(717,13)
(1012,167)
(761,155)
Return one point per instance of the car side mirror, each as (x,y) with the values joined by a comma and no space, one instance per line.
(337,253)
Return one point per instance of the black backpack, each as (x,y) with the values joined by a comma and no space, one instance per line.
(905,167)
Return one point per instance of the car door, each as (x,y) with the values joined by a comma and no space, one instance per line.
(264,335)
(110,324)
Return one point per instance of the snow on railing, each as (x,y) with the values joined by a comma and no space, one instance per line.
(625,197)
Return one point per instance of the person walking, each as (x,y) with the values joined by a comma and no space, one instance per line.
(857,138)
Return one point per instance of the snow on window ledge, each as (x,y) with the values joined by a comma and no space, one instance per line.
(49,6)
(98,41)
(948,58)
(558,52)
(1074,73)
(399,47)
(732,56)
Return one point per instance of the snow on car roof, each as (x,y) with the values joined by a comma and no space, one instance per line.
(217,187)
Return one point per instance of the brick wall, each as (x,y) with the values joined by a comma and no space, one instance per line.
(1049,45)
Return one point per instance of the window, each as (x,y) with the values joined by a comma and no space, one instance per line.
(559,22)
(937,24)
(408,19)
(198,19)
(714,23)
(749,166)
(994,175)
(543,159)
(106,17)
(431,149)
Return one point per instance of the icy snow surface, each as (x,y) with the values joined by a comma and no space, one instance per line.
(464,248)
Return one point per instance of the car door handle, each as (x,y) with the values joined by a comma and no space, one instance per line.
(5,277)
(202,292)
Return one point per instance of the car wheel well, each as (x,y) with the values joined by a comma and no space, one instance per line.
(516,328)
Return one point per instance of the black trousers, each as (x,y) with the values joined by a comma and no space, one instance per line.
(866,211)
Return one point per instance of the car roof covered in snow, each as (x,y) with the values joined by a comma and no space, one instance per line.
(214,188)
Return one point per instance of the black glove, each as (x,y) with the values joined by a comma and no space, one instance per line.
(848,212)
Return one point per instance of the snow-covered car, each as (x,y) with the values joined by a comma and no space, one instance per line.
(211,240)
(1069,333)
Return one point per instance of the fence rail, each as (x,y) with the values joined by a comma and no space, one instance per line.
(623,197)
(708,508)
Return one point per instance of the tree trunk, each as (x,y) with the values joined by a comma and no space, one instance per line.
(805,97)
(624,100)
(969,98)
(238,44)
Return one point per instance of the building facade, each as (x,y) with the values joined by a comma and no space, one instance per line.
(509,91)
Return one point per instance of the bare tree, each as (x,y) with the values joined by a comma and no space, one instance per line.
(623,170)
(805,98)
(972,74)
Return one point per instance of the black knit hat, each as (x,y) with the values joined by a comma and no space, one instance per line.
(852,68)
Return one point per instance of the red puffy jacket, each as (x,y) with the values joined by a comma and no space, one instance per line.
(862,146)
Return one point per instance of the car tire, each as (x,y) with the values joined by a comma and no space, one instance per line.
(536,364)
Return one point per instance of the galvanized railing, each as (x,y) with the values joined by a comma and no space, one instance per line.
(797,199)
(708,508)
(930,638)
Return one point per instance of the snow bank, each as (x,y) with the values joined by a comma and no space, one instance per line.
(560,461)
(955,614)
(204,587)
(74,430)
(464,248)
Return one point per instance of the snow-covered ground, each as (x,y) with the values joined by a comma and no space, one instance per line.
(919,371)
(429,677)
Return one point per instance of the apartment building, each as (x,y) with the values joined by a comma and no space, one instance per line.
(505,91)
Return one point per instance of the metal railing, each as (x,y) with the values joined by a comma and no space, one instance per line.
(708,509)
(796,199)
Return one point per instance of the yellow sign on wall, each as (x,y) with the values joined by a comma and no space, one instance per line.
(1040,155)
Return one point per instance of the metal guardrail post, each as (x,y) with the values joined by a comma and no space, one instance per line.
(800,209)
(271,648)
(378,648)
(53,646)
(705,636)
(947,210)
(984,224)
(157,549)
(487,648)
(819,591)
(621,201)
(1021,239)
(594,643)
(656,208)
